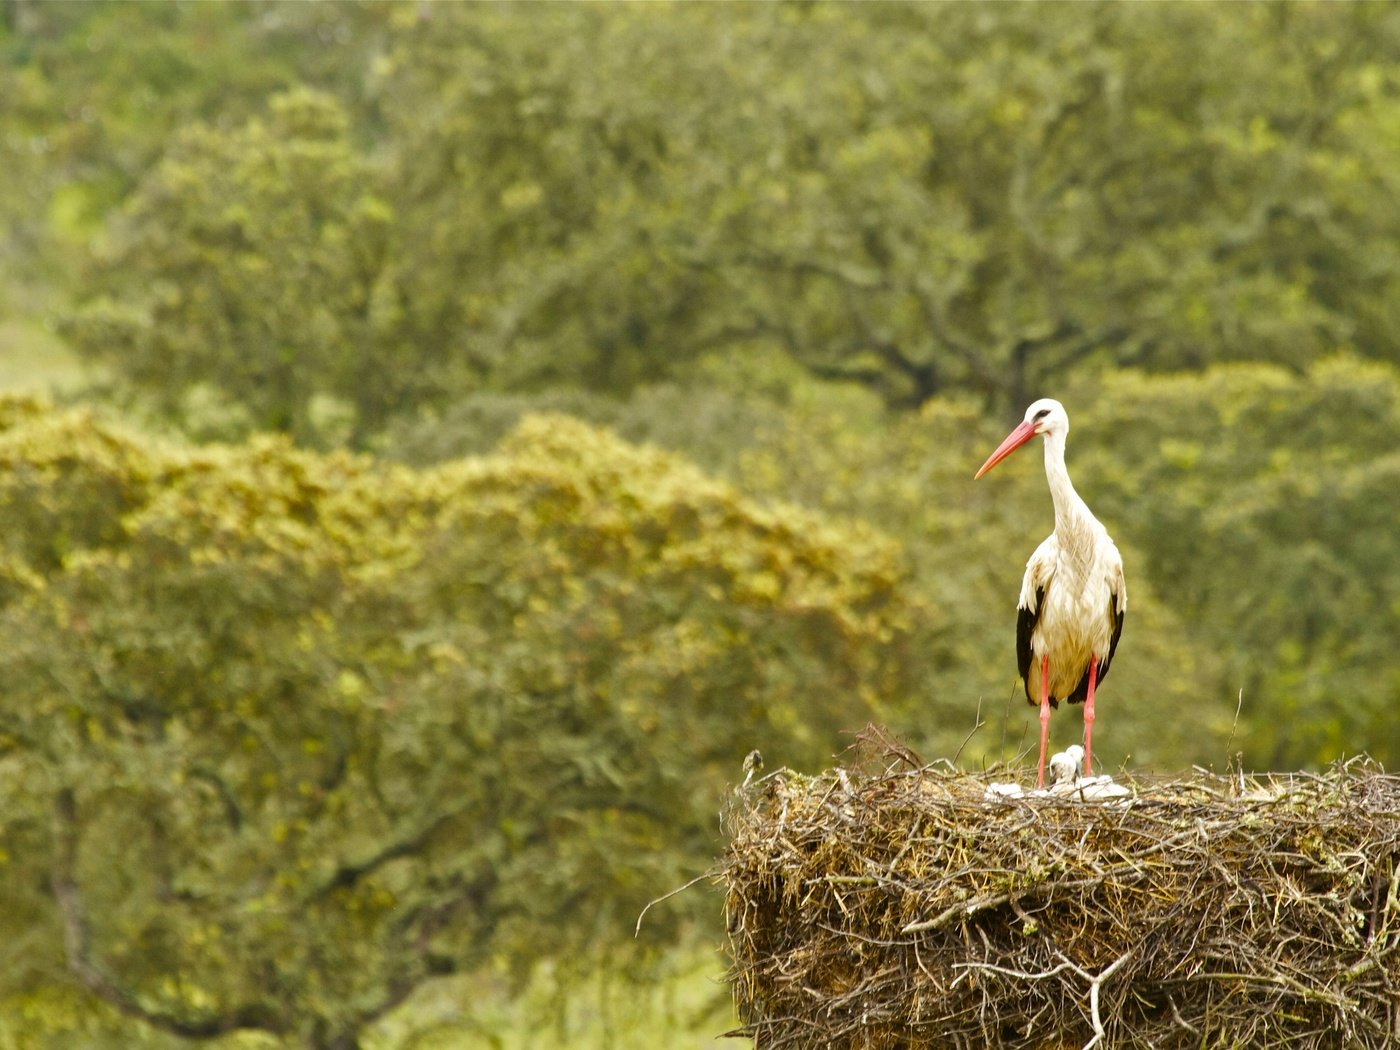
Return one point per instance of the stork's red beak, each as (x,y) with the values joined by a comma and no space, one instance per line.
(1014,440)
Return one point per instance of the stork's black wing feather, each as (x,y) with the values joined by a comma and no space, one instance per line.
(1117,633)
(1026,619)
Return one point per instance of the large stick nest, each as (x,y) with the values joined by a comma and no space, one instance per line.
(909,909)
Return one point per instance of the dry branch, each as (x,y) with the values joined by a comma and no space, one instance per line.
(908,909)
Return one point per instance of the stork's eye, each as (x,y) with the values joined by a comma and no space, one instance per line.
(1041,414)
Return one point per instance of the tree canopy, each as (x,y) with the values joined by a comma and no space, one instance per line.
(350,726)
(921,199)
(492,420)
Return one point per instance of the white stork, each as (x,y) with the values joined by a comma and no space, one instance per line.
(1070,614)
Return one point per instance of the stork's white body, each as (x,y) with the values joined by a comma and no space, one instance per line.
(1073,589)
(1073,597)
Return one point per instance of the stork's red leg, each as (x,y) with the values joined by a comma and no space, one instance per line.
(1044,716)
(1089,714)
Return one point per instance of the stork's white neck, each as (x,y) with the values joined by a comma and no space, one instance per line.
(1071,512)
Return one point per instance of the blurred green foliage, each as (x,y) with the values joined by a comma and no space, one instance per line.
(257,254)
(1269,502)
(348,726)
(918,198)
(627,367)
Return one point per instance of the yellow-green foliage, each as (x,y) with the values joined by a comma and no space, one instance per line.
(917,198)
(347,725)
(1268,499)
(967,543)
(256,254)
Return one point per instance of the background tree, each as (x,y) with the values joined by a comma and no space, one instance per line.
(825,252)
(916,199)
(250,263)
(915,480)
(1264,497)
(920,200)
(91,94)
(351,727)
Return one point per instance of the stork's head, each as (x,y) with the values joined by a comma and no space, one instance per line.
(1046,416)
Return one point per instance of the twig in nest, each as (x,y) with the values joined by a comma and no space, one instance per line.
(977,724)
(637,931)
(1230,742)
(877,739)
(1095,982)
